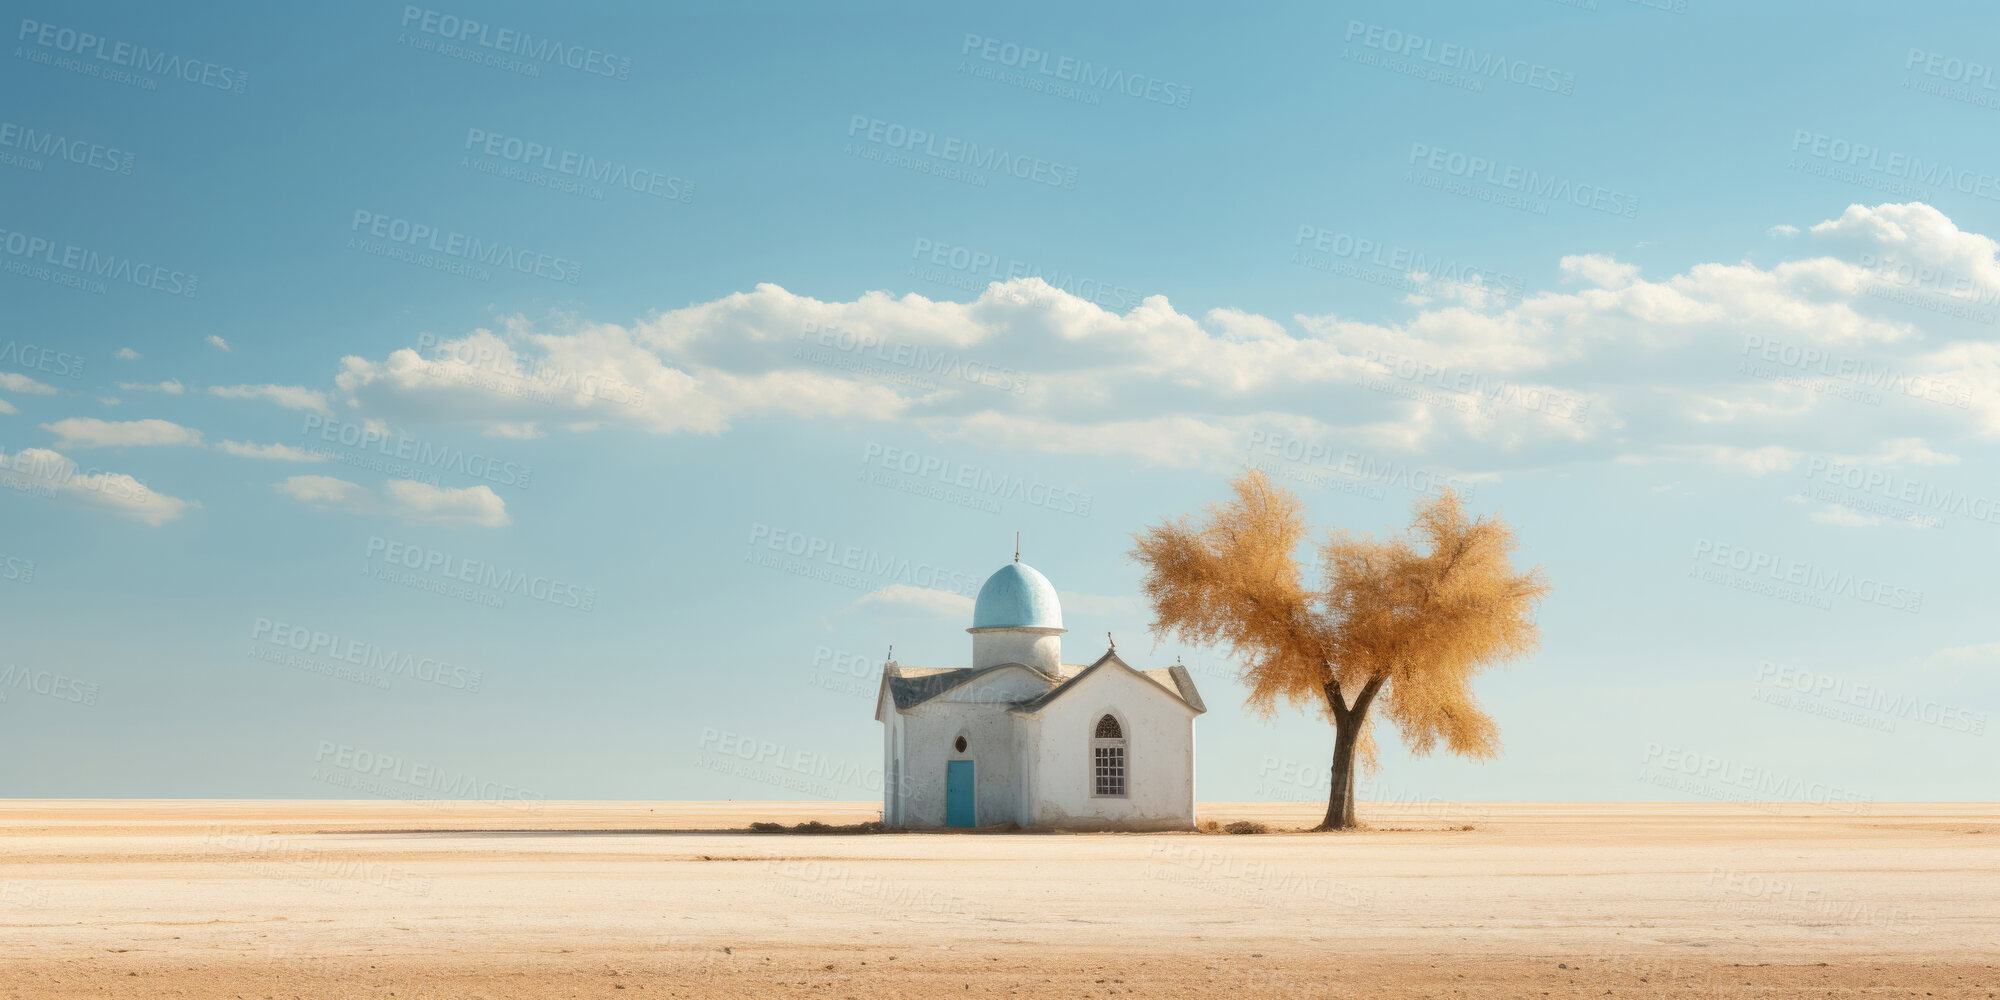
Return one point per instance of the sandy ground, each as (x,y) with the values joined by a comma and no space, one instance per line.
(366,899)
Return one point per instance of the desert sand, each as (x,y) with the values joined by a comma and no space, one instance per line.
(319,899)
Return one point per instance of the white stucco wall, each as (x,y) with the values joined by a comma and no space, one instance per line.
(1159,756)
(978,712)
(1038,648)
(1036,769)
(892,760)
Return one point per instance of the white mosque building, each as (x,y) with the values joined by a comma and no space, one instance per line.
(1022,737)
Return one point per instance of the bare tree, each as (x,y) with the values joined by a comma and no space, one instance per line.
(1403,623)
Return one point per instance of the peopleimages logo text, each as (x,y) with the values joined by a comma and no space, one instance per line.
(1403,260)
(1033,60)
(950,472)
(443,780)
(1550,186)
(1428,482)
(861,562)
(396,663)
(483,574)
(921,358)
(61,687)
(1901,166)
(540,156)
(1807,576)
(82,261)
(1460,58)
(458,245)
(1902,489)
(1815,360)
(44,359)
(965,153)
(1768,784)
(415,451)
(1872,697)
(1951,68)
(83,153)
(85,45)
(516,43)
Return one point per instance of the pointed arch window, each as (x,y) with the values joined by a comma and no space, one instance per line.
(1107,759)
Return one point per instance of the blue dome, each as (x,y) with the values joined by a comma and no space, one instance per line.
(1017,597)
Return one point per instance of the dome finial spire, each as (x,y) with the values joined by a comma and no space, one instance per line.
(1017,546)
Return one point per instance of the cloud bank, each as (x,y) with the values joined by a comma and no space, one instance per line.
(1879,327)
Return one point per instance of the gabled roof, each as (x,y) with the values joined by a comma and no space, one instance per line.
(1184,686)
(912,686)
(909,687)
(1174,680)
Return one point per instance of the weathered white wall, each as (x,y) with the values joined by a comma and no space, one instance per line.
(1038,648)
(978,712)
(892,802)
(1036,770)
(892,759)
(1159,756)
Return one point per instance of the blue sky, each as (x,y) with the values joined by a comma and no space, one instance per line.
(591,392)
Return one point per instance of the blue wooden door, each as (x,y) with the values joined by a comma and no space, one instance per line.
(958,793)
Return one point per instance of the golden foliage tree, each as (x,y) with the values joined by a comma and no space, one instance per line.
(1404,623)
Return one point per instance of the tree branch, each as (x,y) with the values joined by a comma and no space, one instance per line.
(1367,695)
(1335,701)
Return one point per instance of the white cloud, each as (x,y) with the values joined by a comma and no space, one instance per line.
(1844,517)
(171,387)
(6,407)
(526,430)
(1600,270)
(1752,461)
(127,354)
(468,505)
(276,452)
(40,471)
(291,397)
(406,499)
(1648,367)
(1900,452)
(16,382)
(924,600)
(1099,604)
(1961,679)
(1166,441)
(1916,232)
(1235,324)
(90,432)
(326,491)
(1783,229)
(1983,658)
(215,341)
(603,373)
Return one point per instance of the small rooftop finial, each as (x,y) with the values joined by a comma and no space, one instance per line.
(1017,546)
(892,652)
(1113,642)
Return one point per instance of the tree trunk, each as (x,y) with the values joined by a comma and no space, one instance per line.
(1347,723)
(1340,800)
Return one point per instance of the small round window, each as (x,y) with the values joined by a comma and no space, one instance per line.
(960,745)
